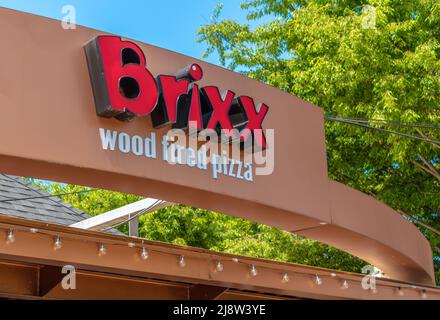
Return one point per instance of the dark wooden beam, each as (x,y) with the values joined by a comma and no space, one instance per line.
(18,279)
(205,292)
(32,281)
(49,278)
(99,286)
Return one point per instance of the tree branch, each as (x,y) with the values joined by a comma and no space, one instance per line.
(429,167)
(422,167)
(426,137)
(419,222)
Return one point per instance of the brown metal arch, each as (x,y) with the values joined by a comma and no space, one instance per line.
(48,129)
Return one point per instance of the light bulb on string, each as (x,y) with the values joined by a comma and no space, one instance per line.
(423,294)
(144,253)
(219,266)
(286,278)
(400,292)
(102,250)
(253,270)
(345,284)
(10,238)
(182,261)
(57,243)
(318,280)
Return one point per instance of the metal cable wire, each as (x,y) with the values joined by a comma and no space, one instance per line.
(49,196)
(355,123)
(387,123)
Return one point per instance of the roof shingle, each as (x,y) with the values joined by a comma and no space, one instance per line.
(50,209)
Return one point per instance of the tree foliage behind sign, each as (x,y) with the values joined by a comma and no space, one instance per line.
(375,62)
(189,226)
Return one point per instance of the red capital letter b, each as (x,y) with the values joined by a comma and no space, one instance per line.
(122,86)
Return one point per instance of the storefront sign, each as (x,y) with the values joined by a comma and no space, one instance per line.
(124,88)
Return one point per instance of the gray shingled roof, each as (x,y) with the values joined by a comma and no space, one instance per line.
(51,209)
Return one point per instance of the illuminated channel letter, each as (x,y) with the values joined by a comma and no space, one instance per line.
(220,105)
(255,120)
(122,86)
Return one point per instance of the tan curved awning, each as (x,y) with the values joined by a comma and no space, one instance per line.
(51,132)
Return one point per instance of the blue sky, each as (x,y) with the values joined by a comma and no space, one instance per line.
(170,24)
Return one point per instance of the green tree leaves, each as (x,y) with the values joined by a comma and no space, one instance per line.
(195,227)
(373,59)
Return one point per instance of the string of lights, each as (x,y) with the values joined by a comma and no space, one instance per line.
(218,263)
